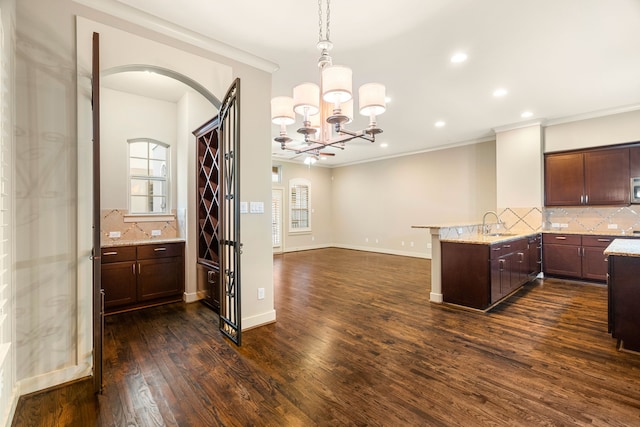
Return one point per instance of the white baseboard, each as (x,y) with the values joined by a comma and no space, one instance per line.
(258,320)
(383,251)
(435,297)
(306,248)
(7,417)
(193,296)
(54,378)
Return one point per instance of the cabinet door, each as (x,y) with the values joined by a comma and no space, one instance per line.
(562,260)
(159,278)
(506,274)
(535,253)
(594,264)
(634,162)
(606,178)
(497,269)
(119,283)
(563,179)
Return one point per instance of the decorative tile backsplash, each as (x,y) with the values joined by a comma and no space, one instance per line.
(113,220)
(512,220)
(623,220)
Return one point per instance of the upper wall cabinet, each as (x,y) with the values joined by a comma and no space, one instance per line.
(634,156)
(591,177)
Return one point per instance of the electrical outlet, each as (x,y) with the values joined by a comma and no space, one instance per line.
(366,240)
(114,234)
(403,243)
(612,226)
(411,244)
(428,245)
(555,225)
(564,225)
(260,293)
(376,240)
(156,232)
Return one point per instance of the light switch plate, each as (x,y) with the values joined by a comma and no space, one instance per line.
(256,207)
(612,226)
(114,234)
(156,232)
(244,207)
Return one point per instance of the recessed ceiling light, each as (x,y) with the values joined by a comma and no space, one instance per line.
(440,123)
(384,145)
(500,92)
(526,114)
(459,57)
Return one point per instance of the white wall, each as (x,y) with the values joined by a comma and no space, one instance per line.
(53,269)
(607,130)
(126,116)
(193,111)
(519,167)
(321,216)
(383,199)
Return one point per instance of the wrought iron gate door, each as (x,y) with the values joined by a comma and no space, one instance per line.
(230,246)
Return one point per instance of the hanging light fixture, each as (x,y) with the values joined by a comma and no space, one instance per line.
(325,109)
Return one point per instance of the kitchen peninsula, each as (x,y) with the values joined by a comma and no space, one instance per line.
(476,267)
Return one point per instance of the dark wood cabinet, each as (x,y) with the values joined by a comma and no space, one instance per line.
(598,177)
(480,275)
(594,262)
(143,275)
(624,294)
(563,179)
(576,256)
(535,256)
(118,276)
(606,177)
(634,161)
(562,255)
(209,212)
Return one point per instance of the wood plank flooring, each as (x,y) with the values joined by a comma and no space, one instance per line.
(357,343)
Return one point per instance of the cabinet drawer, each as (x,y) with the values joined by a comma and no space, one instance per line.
(159,250)
(597,241)
(117,254)
(495,250)
(562,239)
(514,245)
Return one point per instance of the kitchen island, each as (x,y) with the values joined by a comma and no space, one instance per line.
(624,292)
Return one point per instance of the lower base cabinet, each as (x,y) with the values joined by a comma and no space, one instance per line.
(624,298)
(480,275)
(576,256)
(143,275)
(208,276)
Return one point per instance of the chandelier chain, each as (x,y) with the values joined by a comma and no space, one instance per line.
(328,21)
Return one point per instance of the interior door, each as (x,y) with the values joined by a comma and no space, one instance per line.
(98,295)
(230,246)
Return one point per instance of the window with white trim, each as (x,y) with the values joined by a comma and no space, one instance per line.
(148,176)
(299,205)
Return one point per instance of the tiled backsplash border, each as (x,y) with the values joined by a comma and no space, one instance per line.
(114,220)
(605,220)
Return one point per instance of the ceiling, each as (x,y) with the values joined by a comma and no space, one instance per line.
(556,59)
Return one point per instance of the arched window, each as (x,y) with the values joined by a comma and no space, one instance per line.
(148,176)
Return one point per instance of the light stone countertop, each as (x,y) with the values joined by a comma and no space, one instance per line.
(480,239)
(624,247)
(116,243)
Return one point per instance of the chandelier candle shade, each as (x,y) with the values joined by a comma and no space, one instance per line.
(325,109)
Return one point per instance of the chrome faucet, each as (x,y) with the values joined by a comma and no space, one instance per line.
(487,228)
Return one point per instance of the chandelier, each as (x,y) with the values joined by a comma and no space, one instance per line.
(327,108)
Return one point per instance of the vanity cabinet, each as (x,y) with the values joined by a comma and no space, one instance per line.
(142,275)
(598,177)
(479,275)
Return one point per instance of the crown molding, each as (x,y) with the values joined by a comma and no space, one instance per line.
(150,22)
(593,114)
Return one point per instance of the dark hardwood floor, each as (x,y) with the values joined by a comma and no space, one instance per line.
(357,343)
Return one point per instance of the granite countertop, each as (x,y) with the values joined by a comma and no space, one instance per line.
(481,239)
(116,243)
(621,233)
(624,247)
